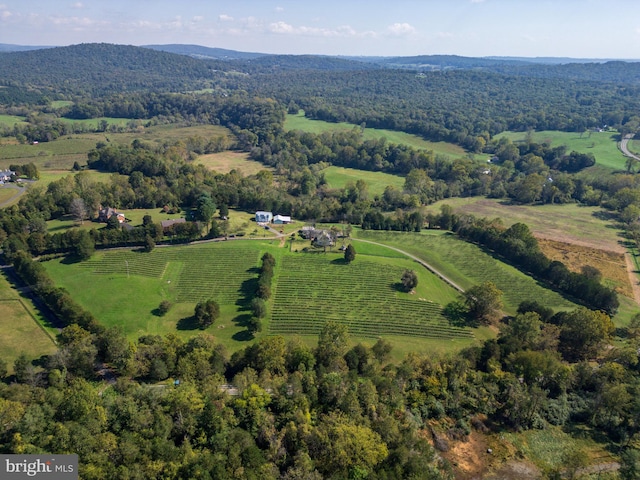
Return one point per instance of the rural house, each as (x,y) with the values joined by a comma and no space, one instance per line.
(167,224)
(264,217)
(104,214)
(5,175)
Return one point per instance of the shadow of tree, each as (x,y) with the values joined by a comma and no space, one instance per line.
(458,315)
(188,323)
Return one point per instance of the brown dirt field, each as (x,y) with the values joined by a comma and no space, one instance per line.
(468,458)
(612,264)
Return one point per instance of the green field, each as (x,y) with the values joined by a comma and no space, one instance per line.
(339,177)
(300,122)
(123,288)
(603,145)
(468,265)
(10,120)
(20,325)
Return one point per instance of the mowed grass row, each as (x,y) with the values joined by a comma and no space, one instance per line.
(312,289)
(199,274)
(467,264)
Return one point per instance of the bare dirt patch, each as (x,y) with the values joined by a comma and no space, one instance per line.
(612,264)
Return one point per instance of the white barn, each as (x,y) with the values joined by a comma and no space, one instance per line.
(281,219)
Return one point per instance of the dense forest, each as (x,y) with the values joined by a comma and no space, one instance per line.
(280,408)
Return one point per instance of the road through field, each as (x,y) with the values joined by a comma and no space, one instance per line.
(417,259)
(625,149)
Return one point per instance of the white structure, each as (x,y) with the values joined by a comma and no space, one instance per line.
(264,217)
(5,175)
(281,219)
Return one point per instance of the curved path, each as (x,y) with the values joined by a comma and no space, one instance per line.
(418,260)
(19,192)
(625,149)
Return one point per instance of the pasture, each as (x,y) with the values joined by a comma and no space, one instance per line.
(468,265)
(224,162)
(569,223)
(21,326)
(300,122)
(339,177)
(603,145)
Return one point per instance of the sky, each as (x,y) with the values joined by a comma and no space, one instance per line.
(525,28)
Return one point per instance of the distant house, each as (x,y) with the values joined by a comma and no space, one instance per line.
(167,224)
(264,217)
(104,214)
(5,175)
(281,219)
(308,232)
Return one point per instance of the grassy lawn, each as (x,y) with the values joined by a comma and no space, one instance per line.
(224,162)
(19,323)
(338,177)
(6,193)
(300,122)
(603,145)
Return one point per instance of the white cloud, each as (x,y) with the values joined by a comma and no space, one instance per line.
(279,9)
(78,5)
(281,27)
(225,18)
(477,1)
(198,18)
(401,29)
(444,35)
(4,14)
(284,28)
(73,21)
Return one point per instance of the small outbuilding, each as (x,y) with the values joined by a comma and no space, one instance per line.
(281,219)
(167,224)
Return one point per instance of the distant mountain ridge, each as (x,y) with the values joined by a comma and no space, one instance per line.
(198,51)
(8,47)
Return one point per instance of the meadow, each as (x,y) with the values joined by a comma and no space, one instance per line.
(603,145)
(10,120)
(339,177)
(300,122)
(224,162)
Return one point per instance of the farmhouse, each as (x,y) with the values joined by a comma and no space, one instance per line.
(323,239)
(167,224)
(104,214)
(264,217)
(281,219)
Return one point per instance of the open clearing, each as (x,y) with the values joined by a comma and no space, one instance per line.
(339,177)
(300,122)
(603,145)
(224,162)
(569,223)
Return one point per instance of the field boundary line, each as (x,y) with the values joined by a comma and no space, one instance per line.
(429,267)
(26,309)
